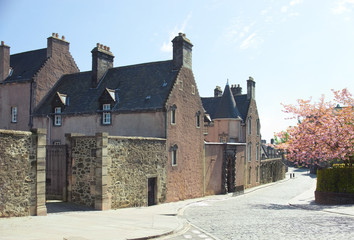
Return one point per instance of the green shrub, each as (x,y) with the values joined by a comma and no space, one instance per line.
(335,180)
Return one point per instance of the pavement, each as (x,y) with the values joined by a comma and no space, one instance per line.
(131,223)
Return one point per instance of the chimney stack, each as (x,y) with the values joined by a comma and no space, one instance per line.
(56,45)
(251,85)
(182,51)
(217,91)
(236,90)
(102,60)
(4,61)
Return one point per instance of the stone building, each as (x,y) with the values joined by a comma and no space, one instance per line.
(233,139)
(155,99)
(25,78)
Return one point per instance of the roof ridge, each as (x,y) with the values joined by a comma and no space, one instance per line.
(41,49)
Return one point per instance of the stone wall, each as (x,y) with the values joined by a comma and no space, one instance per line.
(112,172)
(272,170)
(83,165)
(22,173)
(131,161)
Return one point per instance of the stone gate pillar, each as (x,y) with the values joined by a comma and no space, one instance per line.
(41,136)
(102,201)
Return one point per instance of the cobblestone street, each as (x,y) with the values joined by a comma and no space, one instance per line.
(266,214)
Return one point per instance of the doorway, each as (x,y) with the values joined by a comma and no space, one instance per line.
(152,191)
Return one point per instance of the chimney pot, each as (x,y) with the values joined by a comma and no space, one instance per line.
(56,35)
(62,37)
(98,45)
(2,43)
(105,47)
(53,34)
(101,46)
(108,48)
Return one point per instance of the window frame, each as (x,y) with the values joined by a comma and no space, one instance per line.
(57,117)
(249,125)
(14,114)
(249,152)
(173,114)
(106,114)
(197,116)
(258,128)
(174,149)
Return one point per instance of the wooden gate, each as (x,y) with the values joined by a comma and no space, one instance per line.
(56,172)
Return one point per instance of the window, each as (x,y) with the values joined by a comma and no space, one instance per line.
(258,128)
(198,119)
(57,142)
(173,114)
(249,152)
(249,125)
(181,85)
(174,154)
(106,116)
(257,174)
(57,116)
(249,176)
(14,114)
(257,152)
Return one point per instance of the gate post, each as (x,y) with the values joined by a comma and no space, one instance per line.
(102,201)
(41,209)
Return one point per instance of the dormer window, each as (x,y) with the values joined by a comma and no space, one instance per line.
(106,115)
(57,116)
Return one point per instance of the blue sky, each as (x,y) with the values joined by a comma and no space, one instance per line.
(292,48)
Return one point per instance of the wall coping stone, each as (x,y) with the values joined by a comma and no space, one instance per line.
(16,132)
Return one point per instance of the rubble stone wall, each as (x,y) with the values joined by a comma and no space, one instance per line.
(131,161)
(83,167)
(112,172)
(22,182)
(272,170)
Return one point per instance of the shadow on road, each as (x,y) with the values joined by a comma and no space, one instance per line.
(54,206)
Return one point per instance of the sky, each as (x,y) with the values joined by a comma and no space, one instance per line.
(294,49)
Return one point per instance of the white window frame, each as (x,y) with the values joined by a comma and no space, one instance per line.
(106,115)
(174,157)
(14,114)
(57,117)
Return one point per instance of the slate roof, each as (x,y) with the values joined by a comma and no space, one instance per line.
(212,104)
(227,107)
(140,87)
(26,65)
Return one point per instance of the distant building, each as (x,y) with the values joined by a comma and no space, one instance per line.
(232,133)
(25,78)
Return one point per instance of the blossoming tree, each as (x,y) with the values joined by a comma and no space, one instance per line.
(324,132)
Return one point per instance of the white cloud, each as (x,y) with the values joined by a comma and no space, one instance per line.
(167,46)
(294,2)
(343,6)
(251,41)
(284,9)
